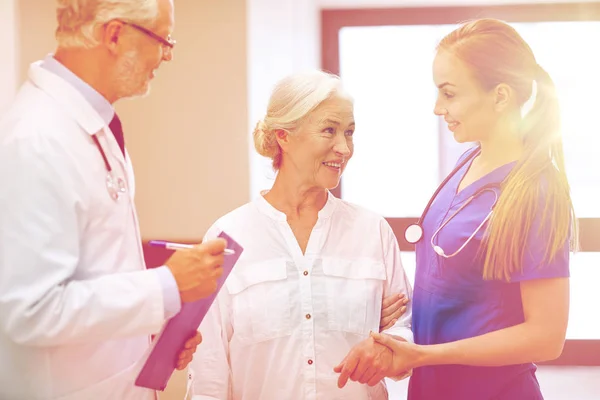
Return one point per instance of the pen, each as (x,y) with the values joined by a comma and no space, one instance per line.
(180,246)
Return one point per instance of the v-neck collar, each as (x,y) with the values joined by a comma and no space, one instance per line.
(497,175)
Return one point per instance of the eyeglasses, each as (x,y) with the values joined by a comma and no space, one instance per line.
(167,43)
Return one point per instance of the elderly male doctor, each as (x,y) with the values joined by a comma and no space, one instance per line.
(77,305)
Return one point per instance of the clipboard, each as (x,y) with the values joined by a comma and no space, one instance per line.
(161,360)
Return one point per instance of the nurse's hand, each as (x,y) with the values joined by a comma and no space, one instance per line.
(392,308)
(405,355)
(186,355)
(367,362)
(196,270)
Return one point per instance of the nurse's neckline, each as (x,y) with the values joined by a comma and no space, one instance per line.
(475,183)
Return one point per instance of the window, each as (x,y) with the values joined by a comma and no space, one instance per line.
(388,71)
(384,57)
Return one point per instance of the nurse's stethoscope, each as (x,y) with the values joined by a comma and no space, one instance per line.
(414,232)
(114,185)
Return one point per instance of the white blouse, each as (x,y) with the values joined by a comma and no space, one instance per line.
(284,319)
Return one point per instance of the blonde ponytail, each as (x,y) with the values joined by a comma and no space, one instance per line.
(536,193)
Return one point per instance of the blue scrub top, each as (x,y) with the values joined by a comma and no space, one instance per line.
(452,301)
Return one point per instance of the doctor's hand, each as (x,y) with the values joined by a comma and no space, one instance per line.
(392,308)
(186,355)
(367,362)
(196,270)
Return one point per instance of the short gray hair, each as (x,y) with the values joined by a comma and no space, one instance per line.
(78,19)
(293,98)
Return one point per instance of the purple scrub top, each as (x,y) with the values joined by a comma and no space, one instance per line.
(451,301)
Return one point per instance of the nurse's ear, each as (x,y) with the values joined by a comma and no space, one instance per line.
(503,97)
(111,35)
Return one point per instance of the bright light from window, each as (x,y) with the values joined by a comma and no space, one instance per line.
(559,48)
(401,152)
(388,72)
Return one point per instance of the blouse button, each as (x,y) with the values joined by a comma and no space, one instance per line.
(310,362)
(305,273)
(307,316)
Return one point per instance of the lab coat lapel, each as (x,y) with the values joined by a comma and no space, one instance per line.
(78,108)
(68,97)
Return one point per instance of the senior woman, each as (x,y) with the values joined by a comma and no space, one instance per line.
(309,286)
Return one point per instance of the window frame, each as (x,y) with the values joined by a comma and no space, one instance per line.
(575,352)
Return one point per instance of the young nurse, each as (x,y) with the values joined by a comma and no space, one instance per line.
(491,293)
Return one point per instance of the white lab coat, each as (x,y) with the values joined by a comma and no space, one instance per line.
(77,304)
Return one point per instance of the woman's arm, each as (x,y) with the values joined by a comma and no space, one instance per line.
(539,338)
(396,282)
(392,308)
(364,361)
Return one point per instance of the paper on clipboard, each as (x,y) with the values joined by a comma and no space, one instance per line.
(162,357)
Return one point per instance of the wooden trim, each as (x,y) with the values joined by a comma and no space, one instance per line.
(332,21)
(336,19)
(589,233)
(578,352)
(399,226)
(575,352)
(330,43)
(156,256)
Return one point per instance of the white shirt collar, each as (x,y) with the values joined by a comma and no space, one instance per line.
(266,208)
(96,100)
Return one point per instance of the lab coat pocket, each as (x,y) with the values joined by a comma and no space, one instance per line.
(260,301)
(354,291)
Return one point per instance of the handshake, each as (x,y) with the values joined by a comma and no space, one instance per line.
(196,270)
(377,357)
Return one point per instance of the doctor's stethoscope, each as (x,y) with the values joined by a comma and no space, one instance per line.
(114,186)
(414,232)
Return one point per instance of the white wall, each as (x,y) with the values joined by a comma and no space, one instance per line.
(283,37)
(188,138)
(8,61)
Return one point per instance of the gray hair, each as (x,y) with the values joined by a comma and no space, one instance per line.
(293,98)
(79,19)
